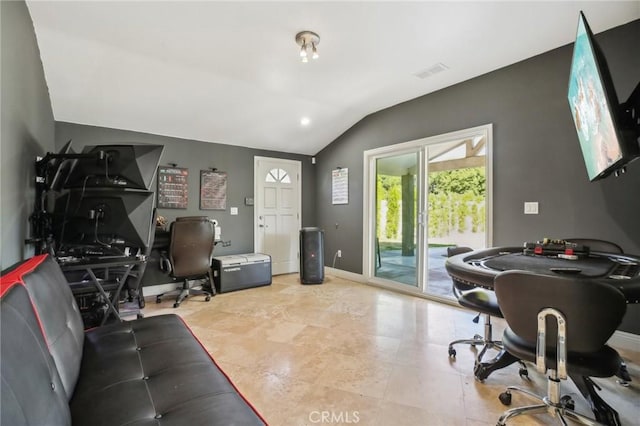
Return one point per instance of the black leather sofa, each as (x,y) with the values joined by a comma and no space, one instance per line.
(151,371)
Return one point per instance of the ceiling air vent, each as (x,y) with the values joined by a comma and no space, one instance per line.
(434,69)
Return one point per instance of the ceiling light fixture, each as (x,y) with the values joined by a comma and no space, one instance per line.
(308,40)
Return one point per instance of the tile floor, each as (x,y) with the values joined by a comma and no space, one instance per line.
(347,353)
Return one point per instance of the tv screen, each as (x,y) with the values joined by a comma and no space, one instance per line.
(116,166)
(594,107)
(104,219)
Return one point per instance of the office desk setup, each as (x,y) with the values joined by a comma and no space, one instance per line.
(481,267)
(113,271)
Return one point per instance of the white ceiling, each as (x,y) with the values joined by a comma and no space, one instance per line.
(230,72)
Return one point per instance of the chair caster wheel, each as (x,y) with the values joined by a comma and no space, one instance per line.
(452,353)
(505,398)
(158,300)
(175,305)
(141,303)
(567,402)
(524,373)
(139,316)
(206,299)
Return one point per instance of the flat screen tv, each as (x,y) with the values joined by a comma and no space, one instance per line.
(116,166)
(105,220)
(606,140)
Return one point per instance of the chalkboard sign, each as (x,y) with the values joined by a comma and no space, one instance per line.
(213,190)
(173,187)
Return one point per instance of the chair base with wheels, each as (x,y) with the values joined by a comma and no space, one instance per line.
(602,364)
(561,324)
(207,289)
(485,302)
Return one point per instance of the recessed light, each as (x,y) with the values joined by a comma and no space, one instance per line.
(305,121)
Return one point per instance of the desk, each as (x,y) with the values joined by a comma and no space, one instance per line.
(90,265)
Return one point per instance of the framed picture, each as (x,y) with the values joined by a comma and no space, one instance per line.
(213,190)
(340,186)
(173,187)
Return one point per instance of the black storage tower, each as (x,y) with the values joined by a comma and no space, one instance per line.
(311,256)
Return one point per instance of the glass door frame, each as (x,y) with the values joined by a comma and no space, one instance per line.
(369,204)
(421,267)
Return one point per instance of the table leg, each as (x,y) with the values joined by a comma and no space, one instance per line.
(482,370)
(112,308)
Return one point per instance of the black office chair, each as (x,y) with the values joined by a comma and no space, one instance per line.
(190,253)
(562,324)
(476,299)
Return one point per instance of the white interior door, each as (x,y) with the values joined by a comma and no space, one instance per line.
(277,212)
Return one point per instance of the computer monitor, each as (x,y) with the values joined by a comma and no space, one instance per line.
(116,166)
(106,219)
(61,168)
(607,138)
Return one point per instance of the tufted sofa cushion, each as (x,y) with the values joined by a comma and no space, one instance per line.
(31,392)
(59,315)
(151,371)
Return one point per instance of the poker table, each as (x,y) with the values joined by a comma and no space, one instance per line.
(480,267)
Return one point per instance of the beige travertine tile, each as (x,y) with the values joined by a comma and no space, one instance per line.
(327,405)
(391,413)
(358,354)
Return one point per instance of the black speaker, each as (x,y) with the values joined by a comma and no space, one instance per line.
(311,256)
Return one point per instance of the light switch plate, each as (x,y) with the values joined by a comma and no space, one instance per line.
(530,207)
(234,211)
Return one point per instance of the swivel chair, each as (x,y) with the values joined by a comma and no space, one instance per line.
(190,252)
(476,299)
(562,324)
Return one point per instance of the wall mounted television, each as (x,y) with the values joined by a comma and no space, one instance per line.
(116,166)
(607,130)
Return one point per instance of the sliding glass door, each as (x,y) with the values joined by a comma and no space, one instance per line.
(423,197)
(396,226)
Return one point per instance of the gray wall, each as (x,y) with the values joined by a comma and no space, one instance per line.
(196,156)
(27,127)
(536,154)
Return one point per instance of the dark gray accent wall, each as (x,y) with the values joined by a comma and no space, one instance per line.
(27,127)
(196,156)
(536,154)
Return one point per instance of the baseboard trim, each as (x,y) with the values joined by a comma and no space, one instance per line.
(625,341)
(154,290)
(339,273)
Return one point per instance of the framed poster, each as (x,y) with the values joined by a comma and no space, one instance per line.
(340,186)
(213,190)
(173,187)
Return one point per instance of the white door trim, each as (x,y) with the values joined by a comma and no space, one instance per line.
(369,187)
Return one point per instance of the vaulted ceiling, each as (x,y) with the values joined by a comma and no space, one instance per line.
(230,72)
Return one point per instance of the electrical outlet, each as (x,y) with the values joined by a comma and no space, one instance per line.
(339,253)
